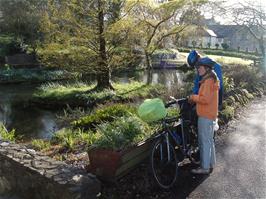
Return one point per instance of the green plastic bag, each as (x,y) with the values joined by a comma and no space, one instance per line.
(152,110)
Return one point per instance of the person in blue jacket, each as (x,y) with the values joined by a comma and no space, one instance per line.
(195,59)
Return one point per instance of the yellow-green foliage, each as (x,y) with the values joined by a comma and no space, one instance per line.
(243,76)
(228,84)
(72,39)
(5,134)
(225,60)
(106,114)
(173,112)
(122,133)
(67,56)
(40,144)
(70,138)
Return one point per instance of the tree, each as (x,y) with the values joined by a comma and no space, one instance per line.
(217,45)
(225,46)
(20,18)
(253,17)
(158,22)
(192,16)
(89,35)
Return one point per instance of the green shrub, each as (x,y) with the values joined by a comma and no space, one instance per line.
(246,76)
(70,138)
(122,132)
(230,100)
(227,113)
(228,84)
(106,114)
(225,46)
(7,135)
(40,144)
(65,137)
(87,137)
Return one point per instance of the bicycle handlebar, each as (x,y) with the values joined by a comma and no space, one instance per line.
(176,101)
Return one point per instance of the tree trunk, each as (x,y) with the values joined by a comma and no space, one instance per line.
(104,72)
(103,80)
(148,60)
(149,67)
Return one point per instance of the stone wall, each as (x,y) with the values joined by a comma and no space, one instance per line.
(32,175)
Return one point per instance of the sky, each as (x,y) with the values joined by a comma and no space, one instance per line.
(232,3)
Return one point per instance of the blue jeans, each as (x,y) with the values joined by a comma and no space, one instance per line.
(206,142)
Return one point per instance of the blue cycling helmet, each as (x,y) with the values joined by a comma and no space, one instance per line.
(205,61)
(192,58)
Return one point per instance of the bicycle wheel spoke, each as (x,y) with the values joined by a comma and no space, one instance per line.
(164,169)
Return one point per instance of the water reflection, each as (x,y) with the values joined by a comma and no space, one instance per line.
(172,79)
(28,121)
(32,122)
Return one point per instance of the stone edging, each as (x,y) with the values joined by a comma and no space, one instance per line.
(33,175)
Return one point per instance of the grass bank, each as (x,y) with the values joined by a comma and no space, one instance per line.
(224,60)
(55,95)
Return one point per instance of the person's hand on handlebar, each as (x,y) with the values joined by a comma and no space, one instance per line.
(190,100)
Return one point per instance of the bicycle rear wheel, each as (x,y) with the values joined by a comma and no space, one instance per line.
(164,170)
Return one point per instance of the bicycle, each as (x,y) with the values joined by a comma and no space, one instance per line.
(176,141)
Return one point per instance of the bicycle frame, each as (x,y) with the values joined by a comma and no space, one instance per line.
(167,132)
(164,159)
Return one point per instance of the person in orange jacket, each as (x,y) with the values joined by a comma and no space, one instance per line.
(207,110)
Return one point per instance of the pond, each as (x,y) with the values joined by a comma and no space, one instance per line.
(32,122)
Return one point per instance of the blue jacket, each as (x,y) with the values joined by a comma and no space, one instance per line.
(218,71)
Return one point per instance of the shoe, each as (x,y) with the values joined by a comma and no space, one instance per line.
(200,171)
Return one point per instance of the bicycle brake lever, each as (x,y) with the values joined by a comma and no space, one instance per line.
(171,97)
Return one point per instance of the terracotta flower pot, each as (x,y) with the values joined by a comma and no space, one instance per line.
(109,164)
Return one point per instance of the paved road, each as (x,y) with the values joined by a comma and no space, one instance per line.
(241,160)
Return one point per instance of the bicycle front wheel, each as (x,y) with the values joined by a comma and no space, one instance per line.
(164,164)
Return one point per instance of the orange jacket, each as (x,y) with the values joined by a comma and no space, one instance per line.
(207,99)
